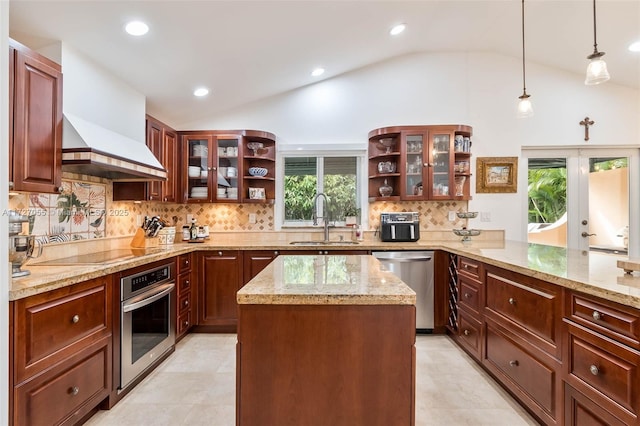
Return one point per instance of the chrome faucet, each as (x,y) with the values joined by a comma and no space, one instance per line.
(325,213)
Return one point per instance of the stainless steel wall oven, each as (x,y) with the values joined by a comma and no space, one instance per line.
(147,323)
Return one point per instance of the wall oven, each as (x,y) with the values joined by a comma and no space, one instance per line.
(147,322)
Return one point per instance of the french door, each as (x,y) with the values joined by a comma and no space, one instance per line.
(584,198)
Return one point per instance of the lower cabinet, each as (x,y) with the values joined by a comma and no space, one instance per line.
(255,261)
(62,353)
(186,295)
(219,279)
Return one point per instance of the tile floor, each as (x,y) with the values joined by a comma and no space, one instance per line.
(196,386)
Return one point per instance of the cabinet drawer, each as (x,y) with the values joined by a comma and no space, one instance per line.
(65,394)
(616,321)
(184,263)
(470,334)
(535,380)
(604,367)
(184,322)
(580,410)
(470,295)
(471,267)
(49,327)
(184,283)
(184,302)
(532,308)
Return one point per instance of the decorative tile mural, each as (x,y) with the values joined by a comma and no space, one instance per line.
(77,213)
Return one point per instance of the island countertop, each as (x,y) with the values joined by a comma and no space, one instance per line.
(326,280)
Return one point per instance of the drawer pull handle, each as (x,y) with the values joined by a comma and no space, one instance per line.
(512,301)
(186,323)
(186,262)
(75,319)
(594,370)
(186,282)
(186,303)
(467,295)
(514,363)
(74,390)
(596,315)
(467,332)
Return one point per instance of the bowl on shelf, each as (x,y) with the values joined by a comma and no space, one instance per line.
(257,171)
(467,215)
(194,171)
(255,147)
(466,234)
(387,144)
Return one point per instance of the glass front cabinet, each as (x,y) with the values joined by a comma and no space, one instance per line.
(228,167)
(414,163)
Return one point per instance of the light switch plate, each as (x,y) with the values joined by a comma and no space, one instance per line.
(452,216)
(485,217)
(252,218)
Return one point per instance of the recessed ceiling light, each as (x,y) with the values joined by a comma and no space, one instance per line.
(136,28)
(397,29)
(201,91)
(317,72)
(635,47)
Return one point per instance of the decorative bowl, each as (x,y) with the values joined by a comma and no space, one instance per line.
(466,234)
(467,215)
(255,146)
(257,171)
(387,144)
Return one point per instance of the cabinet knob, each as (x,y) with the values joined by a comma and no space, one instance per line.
(512,301)
(276,252)
(150,197)
(514,363)
(467,295)
(426,164)
(186,262)
(187,282)
(213,169)
(75,319)
(596,315)
(74,390)
(467,332)
(219,253)
(594,370)
(59,189)
(186,303)
(186,323)
(11,185)
(165,199)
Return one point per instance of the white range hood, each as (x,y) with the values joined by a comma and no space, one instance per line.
(90,149)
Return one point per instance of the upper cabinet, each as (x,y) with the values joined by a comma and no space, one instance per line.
(228,166)
(416,163)
(162,141)
(35,117)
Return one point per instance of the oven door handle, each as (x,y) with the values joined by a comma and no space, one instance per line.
(146,299)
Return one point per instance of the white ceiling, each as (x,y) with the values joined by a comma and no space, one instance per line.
(248,50)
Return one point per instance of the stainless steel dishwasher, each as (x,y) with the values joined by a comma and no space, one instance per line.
(415,268)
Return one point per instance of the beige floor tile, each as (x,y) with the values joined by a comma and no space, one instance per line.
(196,386)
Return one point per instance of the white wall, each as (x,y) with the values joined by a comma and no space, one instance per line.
(5,273)
(93,94)
(478,89)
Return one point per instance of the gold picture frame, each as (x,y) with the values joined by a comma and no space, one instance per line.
(497,174)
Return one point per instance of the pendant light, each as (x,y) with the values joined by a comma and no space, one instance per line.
(525,109)
(597,70)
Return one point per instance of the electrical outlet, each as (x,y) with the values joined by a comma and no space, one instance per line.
(139,220)
(485,217)
(452,216)
(252,218)
(189,218)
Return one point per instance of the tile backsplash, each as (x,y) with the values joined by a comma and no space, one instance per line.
(85,210)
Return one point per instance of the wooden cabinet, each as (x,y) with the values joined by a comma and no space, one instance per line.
(602,368)
(470,304)
(415,163)
(219,279)
(186,294)
(62,357)
(163,143)
(35,114)
(217,166)
(255,261)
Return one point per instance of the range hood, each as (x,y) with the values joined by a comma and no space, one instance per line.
(96,151)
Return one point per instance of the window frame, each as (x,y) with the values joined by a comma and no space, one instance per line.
(361,181)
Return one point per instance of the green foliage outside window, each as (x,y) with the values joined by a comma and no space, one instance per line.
(299,192)
(547,194)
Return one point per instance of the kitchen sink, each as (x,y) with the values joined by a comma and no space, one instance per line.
(324,243)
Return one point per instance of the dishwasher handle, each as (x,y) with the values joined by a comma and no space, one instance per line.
(403,256)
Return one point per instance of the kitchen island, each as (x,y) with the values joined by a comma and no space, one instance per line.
(325,340)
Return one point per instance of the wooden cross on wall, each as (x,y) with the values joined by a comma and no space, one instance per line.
(586,123)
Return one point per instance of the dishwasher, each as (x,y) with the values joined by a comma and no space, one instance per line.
(415,268)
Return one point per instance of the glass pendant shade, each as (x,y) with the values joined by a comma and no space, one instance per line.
(597,71)
(525,108)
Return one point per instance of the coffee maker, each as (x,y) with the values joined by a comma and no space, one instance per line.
(21,246)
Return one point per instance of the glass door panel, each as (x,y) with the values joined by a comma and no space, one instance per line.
(441,165)
(415,161)
(227,169)
(198,169)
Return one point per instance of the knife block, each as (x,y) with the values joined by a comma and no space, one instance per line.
(140,240)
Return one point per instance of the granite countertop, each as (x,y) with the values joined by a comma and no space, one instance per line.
(326,280)
(593,273)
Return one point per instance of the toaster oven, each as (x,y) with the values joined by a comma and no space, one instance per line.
(400,227)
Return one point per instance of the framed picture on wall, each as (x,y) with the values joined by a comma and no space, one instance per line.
(497,174)
(256,194)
